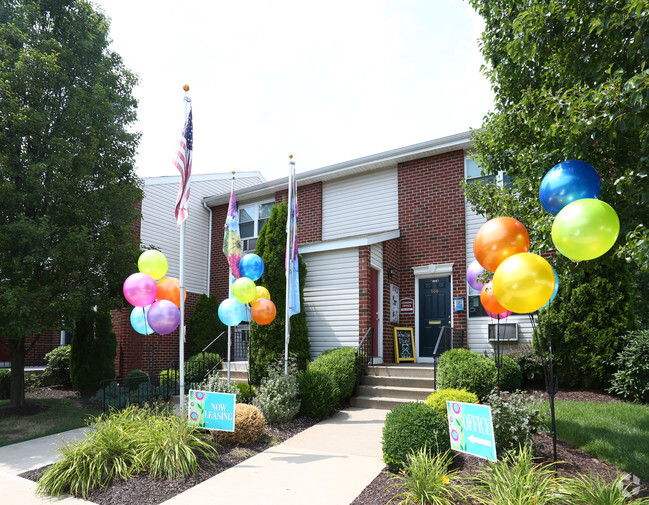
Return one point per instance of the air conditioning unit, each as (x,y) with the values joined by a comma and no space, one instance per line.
(508,332)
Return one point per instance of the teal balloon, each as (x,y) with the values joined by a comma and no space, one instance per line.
(139,320)
(585,229)
(231,312)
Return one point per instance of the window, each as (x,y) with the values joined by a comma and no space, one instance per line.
(252,218)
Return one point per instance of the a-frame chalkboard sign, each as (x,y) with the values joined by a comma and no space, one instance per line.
(404,345)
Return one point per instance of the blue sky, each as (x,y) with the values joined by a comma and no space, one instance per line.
(325,81)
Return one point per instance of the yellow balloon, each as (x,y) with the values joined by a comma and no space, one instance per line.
(523,282)
(262,292)
(244,290)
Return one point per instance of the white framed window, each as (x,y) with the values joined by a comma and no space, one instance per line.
(252,218)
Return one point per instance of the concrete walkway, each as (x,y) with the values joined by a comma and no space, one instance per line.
(330,464)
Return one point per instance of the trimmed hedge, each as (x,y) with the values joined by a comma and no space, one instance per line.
(5,382)
(340,365)
(511,377)
(465,369)
(318,393)
(438,399)
(410,427)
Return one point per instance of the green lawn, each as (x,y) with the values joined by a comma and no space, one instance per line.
(614,432)
(65,414)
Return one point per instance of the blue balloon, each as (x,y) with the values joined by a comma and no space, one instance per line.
(251,266)
(139,320)
(566,182)
(231,312)
(556,288)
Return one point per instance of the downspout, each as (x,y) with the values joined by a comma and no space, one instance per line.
(209,248)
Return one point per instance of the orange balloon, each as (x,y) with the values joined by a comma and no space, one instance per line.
(488,299)
(169,289)
(263,311)
(498,239)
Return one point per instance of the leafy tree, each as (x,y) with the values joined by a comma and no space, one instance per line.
(570,83)
(92,351)
(267,341)
(68,190)
(205,326)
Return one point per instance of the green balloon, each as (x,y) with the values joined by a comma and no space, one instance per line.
(153,263)
(244,290)
(585,229)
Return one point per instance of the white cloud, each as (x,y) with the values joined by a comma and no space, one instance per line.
(326,82)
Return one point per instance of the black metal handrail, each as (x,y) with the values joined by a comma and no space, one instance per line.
(365,354)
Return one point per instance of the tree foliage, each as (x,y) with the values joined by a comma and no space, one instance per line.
(570,82)
(68,190)
(205,326)
(267,341)
(92,351)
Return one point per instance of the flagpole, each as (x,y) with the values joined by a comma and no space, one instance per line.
(289,259)
(181,331)
(230,296)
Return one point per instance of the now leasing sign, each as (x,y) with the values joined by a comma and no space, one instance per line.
(471,429)
(212,411)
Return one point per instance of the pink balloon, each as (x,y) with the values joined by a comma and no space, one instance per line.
(140,289)
(163,316)
(502,315)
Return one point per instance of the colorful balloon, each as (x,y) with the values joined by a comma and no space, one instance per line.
(139,320)
(163,316)
(556,288)
(498,239)
(500,316)
(251,266)
(140,289)
(263,311)
(169,289)
(262,292)
(153,263)
(568,182)
(473,273)
(231,312)
(244,290)
(489,300)
(585,229)
(523,283)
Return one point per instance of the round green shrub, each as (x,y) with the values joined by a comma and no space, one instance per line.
(631,380)
(57,369)
(465,369)
(5,382)
(136,377)
(278,398)
(531,366)
(438,399)
(318,393)
(246,392)
(410,427)
(511,377)
(340,364)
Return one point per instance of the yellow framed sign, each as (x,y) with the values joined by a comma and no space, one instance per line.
(404,345)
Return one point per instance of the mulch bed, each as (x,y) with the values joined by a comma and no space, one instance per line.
(145,491)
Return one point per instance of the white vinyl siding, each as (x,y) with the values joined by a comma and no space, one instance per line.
(159,223)
(360,205)
(477,327)
(331,299)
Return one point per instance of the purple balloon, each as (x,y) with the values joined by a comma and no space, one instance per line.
(163,316)
(140,289)
(502,315)
(474,271)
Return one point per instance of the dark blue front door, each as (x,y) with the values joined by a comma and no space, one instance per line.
(434,312)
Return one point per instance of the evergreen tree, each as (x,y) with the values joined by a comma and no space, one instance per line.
(267,341)
(205,326)
(92,351)
(587,321)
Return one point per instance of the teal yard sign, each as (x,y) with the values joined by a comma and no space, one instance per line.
(471,429)
(212,411)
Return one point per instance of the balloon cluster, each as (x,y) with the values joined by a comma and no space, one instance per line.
(156,304)
(244,291)
(584,228)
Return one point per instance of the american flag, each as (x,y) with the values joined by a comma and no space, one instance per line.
(183,163)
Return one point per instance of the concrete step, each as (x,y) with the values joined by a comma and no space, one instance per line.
(408,394)
(408,382)
(423,371)
(235,376)
(383,403)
